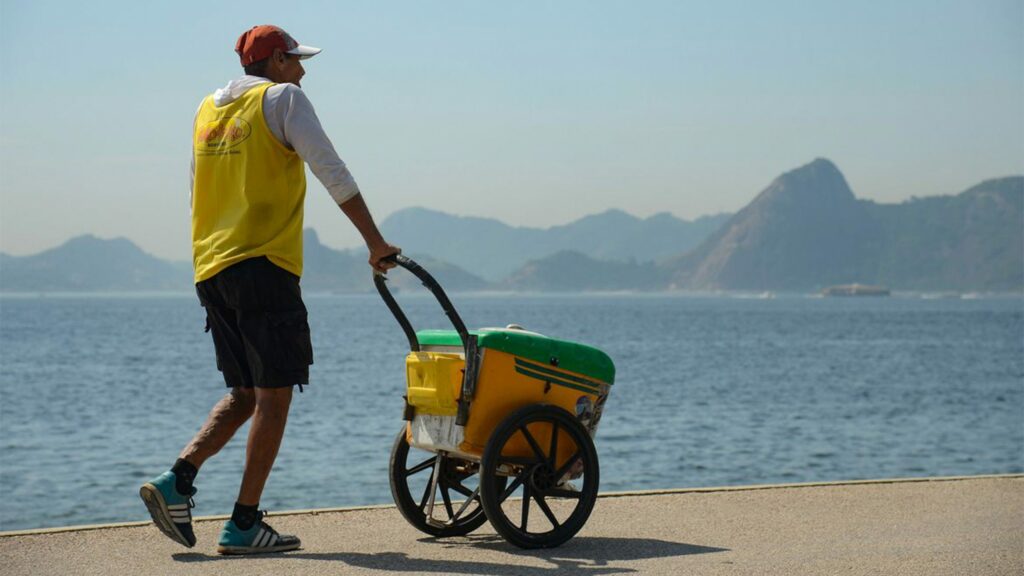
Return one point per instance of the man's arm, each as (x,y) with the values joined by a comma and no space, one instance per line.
(356,210)
(303,133)
(290,115)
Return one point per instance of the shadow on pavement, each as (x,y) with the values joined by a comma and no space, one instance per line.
(597,550)
(589,555)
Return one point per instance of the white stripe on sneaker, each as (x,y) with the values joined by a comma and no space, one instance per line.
(273,540)
(258,542)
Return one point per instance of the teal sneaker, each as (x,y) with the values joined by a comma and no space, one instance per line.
(259,539)
(171,510)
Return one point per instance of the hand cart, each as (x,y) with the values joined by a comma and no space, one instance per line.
(499,427)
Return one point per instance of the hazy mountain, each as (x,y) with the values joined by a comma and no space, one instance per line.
(451,277)
(569,271)
(493,249)
(807,230)
(329,270)
(802,231)
(90,264)
(971,241)
(325,269)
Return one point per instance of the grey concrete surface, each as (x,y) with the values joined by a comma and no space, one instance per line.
(970,526)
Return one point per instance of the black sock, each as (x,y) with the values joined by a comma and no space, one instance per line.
(185,475)
(245,517)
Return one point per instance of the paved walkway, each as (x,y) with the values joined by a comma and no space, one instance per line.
(969,526)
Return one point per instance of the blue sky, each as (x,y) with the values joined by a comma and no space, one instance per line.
(535,113)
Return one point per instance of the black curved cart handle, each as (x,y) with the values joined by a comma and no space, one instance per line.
(380,281)
(472,356)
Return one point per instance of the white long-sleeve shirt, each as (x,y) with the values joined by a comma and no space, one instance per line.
(292,120)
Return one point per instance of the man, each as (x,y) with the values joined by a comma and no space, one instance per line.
(250,140)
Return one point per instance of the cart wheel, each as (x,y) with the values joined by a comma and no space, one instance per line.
(559,449)
(457,475)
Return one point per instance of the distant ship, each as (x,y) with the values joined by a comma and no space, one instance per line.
(855,290)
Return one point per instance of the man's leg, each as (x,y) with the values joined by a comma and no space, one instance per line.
(246,532)
(169,496)
(268,422)
(224,420)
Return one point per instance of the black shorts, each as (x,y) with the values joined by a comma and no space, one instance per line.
(255,312)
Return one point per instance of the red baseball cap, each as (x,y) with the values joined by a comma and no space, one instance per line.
(259,42)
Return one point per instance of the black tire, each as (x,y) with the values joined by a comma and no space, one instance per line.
(454,476)
(538,478)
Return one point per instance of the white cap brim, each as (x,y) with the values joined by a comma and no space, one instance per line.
(304,52)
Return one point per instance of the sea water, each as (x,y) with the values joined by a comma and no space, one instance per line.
(100,393)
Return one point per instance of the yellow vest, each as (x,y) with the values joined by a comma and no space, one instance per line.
(248,192)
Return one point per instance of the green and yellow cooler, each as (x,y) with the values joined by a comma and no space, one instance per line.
(517,368)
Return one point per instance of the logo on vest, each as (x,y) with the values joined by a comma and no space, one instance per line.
(220,135)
